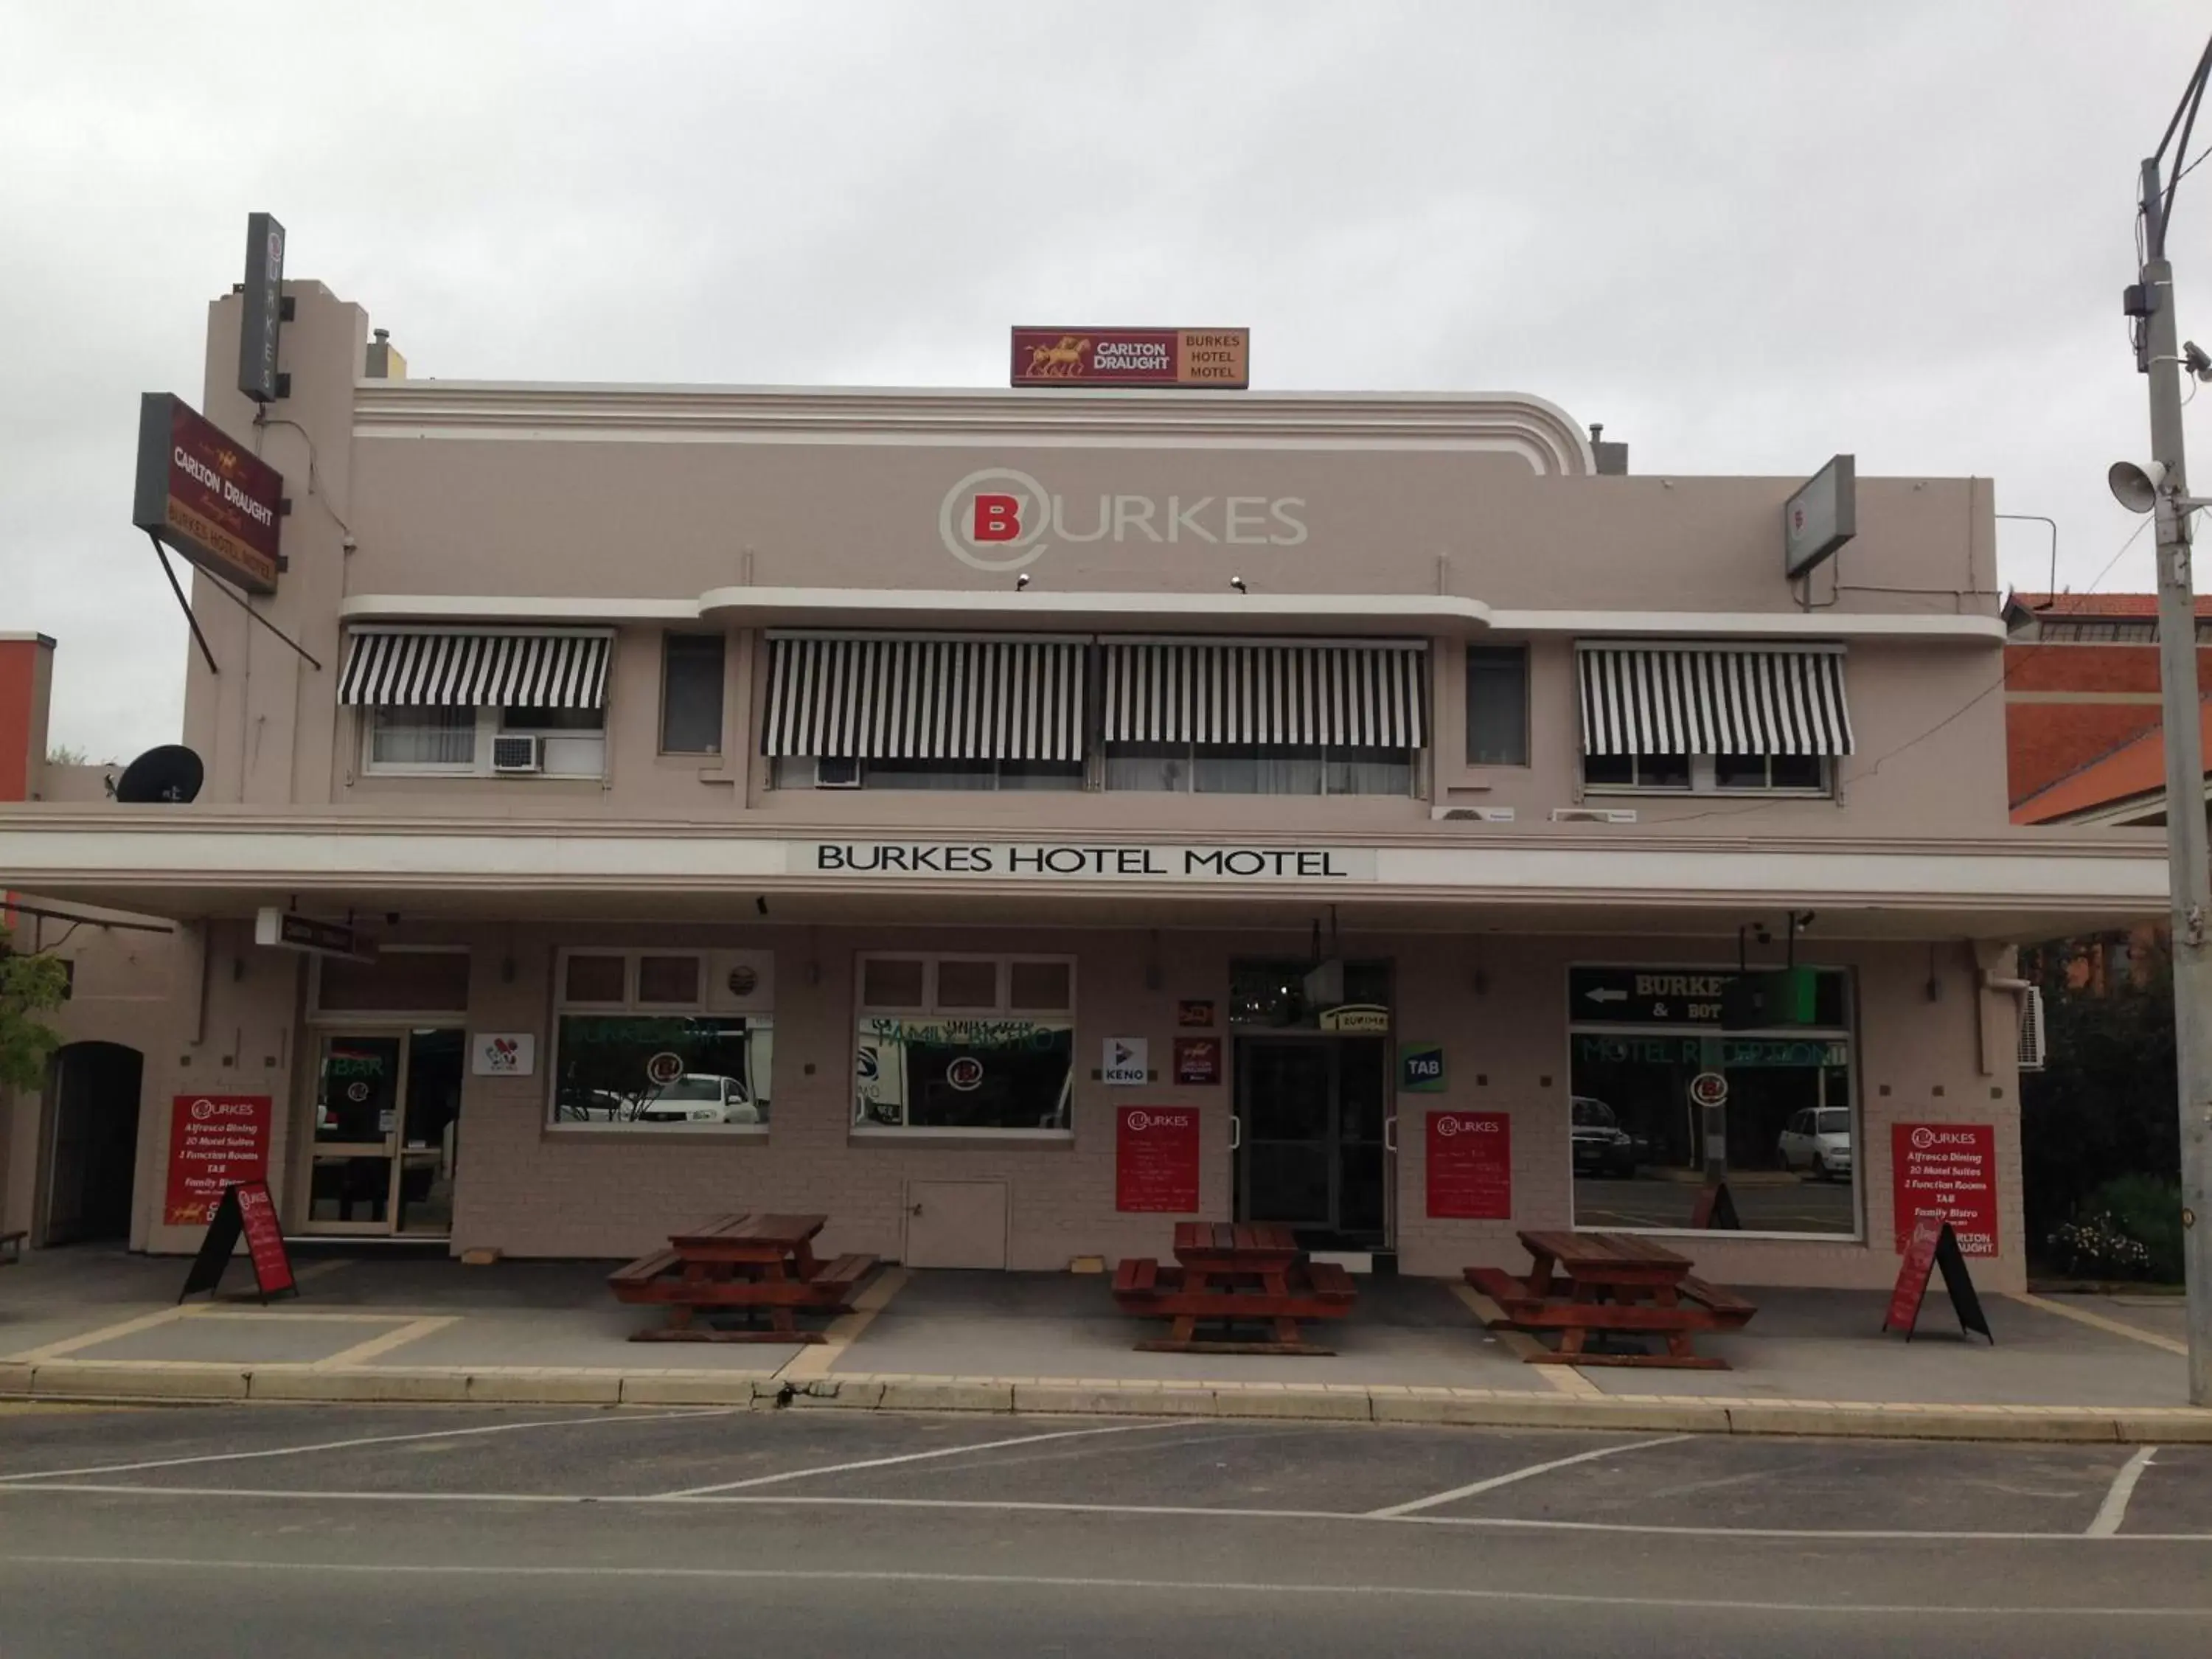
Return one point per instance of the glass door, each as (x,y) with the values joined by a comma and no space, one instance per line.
(387,1106)
(1312,1152)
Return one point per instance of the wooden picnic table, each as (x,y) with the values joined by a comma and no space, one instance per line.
(1233,1273)
(1612,1284)
(748,1262)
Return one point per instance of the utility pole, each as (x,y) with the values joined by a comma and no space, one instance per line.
(2189,863)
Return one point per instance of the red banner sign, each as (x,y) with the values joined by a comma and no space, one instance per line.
(214,1141)
(207,494)
(1215,357)
(1912,1287)
(1946,1172)
(1156,1159)
(264,1238)
(1471,1165)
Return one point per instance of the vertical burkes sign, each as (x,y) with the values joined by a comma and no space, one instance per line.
(1218,359)
(206,494)
(264,317)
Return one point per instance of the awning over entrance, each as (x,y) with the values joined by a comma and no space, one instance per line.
(510,668)
(1643,700)
(894,698)
(1361,695)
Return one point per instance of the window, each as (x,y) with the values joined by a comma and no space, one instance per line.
(1498,705)
(1259,768)
(1708,774)
(434,740)
(691,694)
(654,1040)
(964,1044)
(804,772)
(1640,1034)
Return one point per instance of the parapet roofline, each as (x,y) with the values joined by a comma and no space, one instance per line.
(1444,614)
(1540,431)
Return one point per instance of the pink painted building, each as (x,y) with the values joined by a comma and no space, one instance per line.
(1008,821)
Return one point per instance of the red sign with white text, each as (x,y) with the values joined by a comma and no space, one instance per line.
(1946,1172)
(1216,357)
(214,1141)
(264,1238)
(1470,1157)
(1155,1159)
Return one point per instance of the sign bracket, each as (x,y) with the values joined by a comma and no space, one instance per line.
(184,604)
(222,586)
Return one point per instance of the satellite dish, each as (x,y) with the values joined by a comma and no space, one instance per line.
(171,773)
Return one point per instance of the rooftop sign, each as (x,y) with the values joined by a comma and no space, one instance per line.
(1821,517)
(263,316)
(206,494)
(1204,358)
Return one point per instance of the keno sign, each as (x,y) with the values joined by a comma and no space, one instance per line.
(1001,519)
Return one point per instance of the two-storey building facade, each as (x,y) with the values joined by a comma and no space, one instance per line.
(1010,821)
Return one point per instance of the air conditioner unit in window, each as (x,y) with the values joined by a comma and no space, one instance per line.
(836,772)
(517,754)
(1593,815)
(2031,1030)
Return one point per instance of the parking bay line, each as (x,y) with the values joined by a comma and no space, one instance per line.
(2098,1321)
(19,1487)
(1475,1489)
(2114,1509)
(1020,1581)
(923,1457)
(813,1361)
(8,1481)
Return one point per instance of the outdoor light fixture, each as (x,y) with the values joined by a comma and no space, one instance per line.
(1238,582)
(1021,581)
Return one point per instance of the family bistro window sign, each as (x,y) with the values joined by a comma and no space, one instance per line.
(1081,861)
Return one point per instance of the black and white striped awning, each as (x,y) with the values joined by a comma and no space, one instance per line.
(894,698)
(413,668)
(1172,691)
(1660,700)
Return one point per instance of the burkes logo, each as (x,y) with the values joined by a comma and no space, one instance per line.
(1924,1140)
(1140,1120)
(204,1109)
(1449,1127)
(1000,519)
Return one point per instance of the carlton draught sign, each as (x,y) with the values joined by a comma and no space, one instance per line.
(206,494)
(1216,359)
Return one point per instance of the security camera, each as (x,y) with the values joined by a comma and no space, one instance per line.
(2195,359)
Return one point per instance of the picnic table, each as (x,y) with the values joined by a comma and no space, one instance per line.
(1233,1274)
(1611,1283)
(747,1262)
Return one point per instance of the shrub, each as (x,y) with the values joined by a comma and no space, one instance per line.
(2148,1210)
(2092,1246)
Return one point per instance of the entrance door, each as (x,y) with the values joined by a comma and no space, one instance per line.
(387,1113)
(92,1143)
(1311,1113)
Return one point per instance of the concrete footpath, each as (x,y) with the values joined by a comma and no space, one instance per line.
(98,1324)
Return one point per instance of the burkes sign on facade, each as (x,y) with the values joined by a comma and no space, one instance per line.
(206,494)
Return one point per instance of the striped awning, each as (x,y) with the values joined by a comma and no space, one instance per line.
(1648,700)
(401,668)
(1367,696)
(890,698)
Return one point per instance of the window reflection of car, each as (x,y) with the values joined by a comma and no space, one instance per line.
(699,1097)
(1601,1146)
(1818,1141)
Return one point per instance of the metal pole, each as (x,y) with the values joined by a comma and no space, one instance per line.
(2188,861)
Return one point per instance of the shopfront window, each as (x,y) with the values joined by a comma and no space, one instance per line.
(656,1040)
(964,1043)
(1637,1038)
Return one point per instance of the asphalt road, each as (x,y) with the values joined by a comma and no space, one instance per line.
(383,1530)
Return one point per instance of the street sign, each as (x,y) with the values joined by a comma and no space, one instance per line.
(289,931)
(1646,996)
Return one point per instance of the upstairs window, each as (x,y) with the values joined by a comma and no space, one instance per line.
(691,694)
(1498,705)
(1713,720)
(479,702)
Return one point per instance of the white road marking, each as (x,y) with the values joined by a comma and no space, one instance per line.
(1145,1511)
(7,1481)
(2114,1509)
(920,1457)
(1476,1488)
(1022,1581)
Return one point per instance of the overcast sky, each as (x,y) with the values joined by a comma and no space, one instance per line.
(1743,236)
